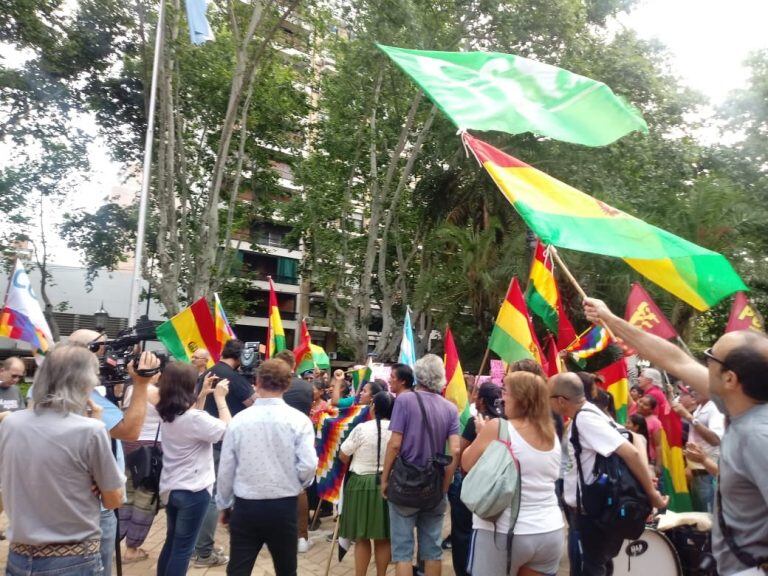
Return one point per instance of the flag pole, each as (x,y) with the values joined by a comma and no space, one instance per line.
(684,345)
(576,285)
(333,545)
(484,361)
(133,312)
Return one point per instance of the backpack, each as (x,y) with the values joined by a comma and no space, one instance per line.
(493,484)
(615,500)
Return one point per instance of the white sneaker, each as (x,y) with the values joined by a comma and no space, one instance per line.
(304,545)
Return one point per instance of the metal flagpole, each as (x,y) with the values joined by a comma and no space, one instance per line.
(133,313)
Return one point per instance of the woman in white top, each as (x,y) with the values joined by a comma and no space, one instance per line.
(187,479)
(365,515)
(140,507)
(538,533)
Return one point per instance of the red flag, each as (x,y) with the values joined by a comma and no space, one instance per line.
(643,312)
(565,332)
(554,365)
(744,316)
(304,344)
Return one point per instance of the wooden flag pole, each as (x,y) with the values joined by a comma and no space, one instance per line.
(333,545)
(316,516)
(484,362)
(685,346)
(576,285)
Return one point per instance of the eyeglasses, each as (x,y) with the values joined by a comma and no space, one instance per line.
(709,356)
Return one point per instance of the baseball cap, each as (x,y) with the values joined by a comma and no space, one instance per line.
(491,395)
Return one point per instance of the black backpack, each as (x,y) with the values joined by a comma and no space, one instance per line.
(615,500)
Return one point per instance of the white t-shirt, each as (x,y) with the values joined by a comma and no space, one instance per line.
(188,452)
(712,418)
(539,470)
(151,419)
(597,436)
(361,445)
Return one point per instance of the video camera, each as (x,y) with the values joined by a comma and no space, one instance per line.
(250,359)
(117,355)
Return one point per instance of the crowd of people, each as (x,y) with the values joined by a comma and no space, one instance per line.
(242,454)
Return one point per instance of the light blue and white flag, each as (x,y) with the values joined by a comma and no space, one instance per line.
(199,28)
(407,347)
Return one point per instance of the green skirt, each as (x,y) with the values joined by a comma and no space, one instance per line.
(364,513)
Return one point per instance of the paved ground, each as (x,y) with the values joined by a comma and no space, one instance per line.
(312,563)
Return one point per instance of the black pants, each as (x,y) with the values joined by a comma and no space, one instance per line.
(599,546)
(461,527)
(255,523)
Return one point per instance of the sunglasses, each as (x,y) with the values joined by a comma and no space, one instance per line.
(709,356)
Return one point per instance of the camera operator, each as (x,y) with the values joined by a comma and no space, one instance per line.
(241,395)
(121,426)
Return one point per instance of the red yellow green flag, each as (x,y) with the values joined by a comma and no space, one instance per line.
(191,329)
(513,337)
(224,332)
(541,294)
(565,217)
(456,388)
(309,356)
(673,462)
(275,333)
(616,382)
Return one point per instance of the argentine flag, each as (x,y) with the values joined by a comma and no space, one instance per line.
(407,348)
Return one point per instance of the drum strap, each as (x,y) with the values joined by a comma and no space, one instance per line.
(743,556)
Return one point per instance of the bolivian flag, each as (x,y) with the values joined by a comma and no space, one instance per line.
(190,330)
(541,295)
(513,337)
(275,333)
(456,388)
(616,382)
(566,217)
(673,462)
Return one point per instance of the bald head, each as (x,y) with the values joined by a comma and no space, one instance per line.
(12,371)
(745,353)
(84,337)
(568,386)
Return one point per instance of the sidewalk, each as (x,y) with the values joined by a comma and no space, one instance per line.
(312,563)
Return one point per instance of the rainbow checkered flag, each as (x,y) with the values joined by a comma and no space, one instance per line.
(224,332)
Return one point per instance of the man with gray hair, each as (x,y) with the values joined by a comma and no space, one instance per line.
(597,435)
(120,425)
(12,372)
(652,385)
(417,441)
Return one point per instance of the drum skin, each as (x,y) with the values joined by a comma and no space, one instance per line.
(650,555)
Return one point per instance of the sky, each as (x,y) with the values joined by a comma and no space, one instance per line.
(707,40)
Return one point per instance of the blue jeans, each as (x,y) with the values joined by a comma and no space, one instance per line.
(703,492)
(19,565)
(108,522)
(185,511)
(429,528)
(204,544)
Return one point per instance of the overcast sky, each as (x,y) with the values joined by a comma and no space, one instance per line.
(708,41)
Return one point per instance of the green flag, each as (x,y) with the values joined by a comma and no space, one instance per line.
(494,91)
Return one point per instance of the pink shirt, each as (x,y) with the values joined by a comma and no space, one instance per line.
(662,406)
(654,425)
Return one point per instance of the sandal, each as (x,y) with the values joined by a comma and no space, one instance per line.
(141,555)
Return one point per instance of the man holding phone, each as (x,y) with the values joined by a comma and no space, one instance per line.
(241,395)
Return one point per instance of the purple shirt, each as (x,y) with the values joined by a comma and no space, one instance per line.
(418,445)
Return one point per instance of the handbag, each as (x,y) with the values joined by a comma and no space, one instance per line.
(493,484)
(419,487)
(145,464)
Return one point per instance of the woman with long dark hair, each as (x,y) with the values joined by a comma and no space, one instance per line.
(187,480)
(538,533)
(365,515)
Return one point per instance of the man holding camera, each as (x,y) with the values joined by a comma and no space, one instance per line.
(241,395)
(121,425)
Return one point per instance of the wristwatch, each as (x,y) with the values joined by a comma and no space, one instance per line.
(695,422)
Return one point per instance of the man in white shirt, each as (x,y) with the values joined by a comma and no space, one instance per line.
(707,426)
(597,436)
(267,459)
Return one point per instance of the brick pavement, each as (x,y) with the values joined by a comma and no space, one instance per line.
(312,563)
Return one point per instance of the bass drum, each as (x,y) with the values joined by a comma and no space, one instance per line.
(650,555)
